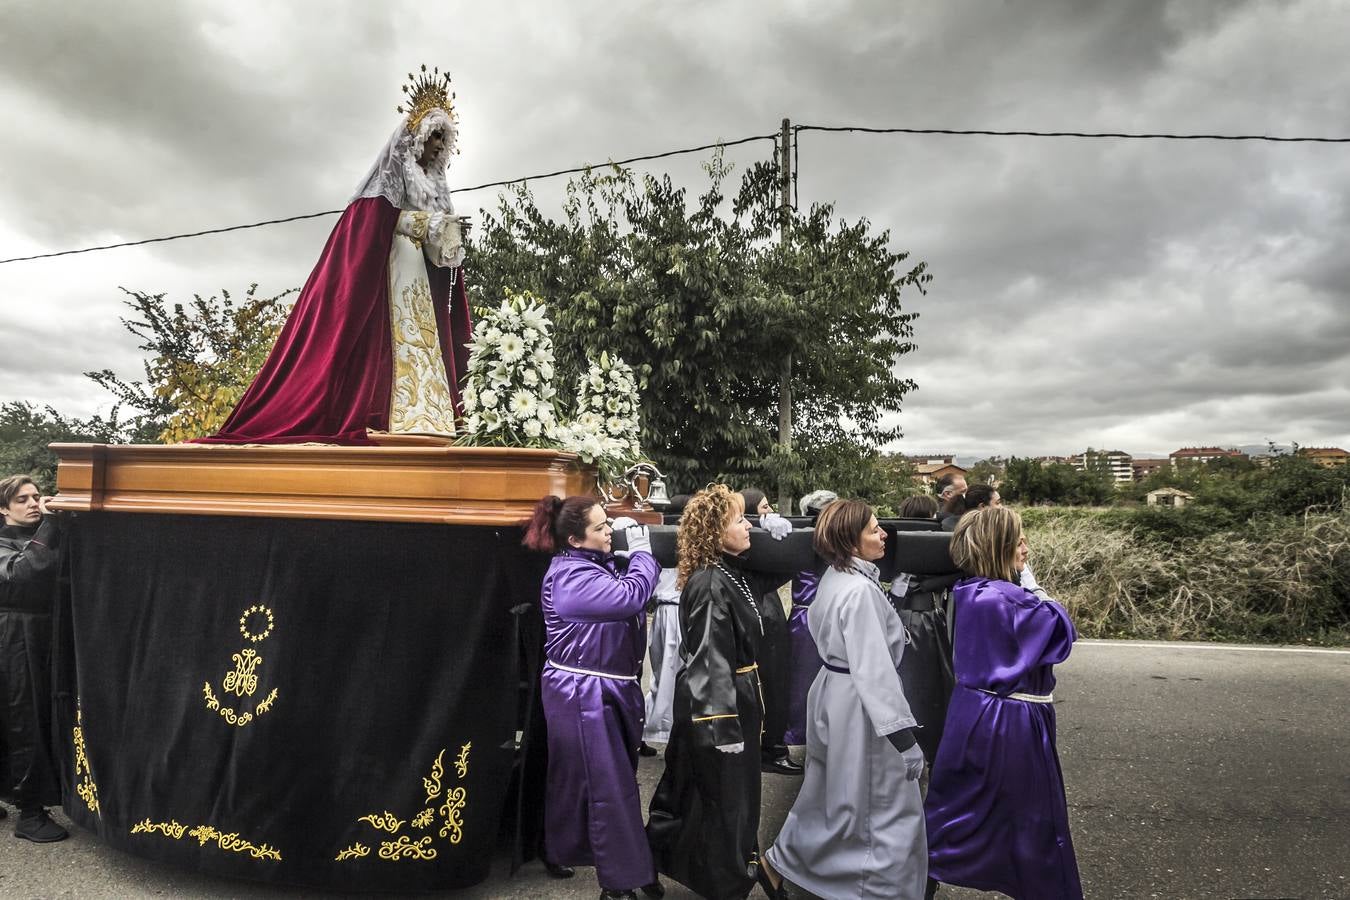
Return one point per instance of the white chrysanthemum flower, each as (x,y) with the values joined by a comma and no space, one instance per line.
(589,421)
(529,377)
(511,348)
(523,404)
(489,399)
(492,335)
(470,399)
(532,428)
(473,423)
(616,426)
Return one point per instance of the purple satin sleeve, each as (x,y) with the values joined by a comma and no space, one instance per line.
(591,593)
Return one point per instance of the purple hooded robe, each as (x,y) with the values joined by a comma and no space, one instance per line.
(595,638)
(996,812)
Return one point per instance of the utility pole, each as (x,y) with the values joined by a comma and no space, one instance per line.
(785,371)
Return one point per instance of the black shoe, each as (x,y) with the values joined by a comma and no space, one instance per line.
(617,895)
(645,750)
(39,828)
(781,766)
(559,871)
(765,885)
(655,889)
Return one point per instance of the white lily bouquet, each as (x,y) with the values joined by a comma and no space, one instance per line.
(509,398)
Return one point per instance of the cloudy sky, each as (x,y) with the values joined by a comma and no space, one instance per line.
(1142,295)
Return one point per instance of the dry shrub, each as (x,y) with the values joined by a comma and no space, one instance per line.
(1275,578)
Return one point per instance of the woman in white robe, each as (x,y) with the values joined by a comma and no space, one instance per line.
(856,829)
(664,650)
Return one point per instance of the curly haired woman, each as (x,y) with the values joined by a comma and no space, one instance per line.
(704,820)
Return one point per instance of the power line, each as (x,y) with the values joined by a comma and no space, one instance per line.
(797,129)
(1136,136)
(333,212)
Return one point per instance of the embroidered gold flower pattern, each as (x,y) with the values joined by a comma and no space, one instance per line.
(451,816)
(420,400)
(205,834)
(86,789)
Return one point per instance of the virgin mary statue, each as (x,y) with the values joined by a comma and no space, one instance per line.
(375,342)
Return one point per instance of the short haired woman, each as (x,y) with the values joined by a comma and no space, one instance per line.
(704,819)
(856,828)
(996,811)
(595,636)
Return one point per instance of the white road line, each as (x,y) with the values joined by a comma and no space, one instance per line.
(1186,645)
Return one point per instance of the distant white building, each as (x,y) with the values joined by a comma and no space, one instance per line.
(1169,496)
(1117,462)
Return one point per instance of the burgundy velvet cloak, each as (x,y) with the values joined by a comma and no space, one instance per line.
(328,378)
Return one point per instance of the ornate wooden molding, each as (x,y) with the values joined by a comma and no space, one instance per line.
(425,480)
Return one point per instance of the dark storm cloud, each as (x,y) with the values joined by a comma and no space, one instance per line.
(1139,294)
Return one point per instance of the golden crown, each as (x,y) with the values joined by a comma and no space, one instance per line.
(425,93)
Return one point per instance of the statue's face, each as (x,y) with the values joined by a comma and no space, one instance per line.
(432,149)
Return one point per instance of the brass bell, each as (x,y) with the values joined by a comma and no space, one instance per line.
(656,493)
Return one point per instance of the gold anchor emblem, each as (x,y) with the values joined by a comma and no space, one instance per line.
(256,626)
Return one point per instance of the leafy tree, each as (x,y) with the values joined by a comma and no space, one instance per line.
(705,303)
(26,432)
(202,357)
(987,471)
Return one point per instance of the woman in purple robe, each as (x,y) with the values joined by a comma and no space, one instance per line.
(996,812)
(595,635)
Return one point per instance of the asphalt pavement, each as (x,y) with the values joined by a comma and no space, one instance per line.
(1192,770)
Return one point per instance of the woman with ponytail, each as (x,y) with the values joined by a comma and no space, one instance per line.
(595,636)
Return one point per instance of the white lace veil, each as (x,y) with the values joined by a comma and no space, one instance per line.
(398,178)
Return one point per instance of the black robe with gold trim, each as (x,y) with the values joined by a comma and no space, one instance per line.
(704,815)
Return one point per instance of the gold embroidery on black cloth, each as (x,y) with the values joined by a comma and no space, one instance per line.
(432,785)
(451,811)
(405,847)
(355,851)
(256,625)
(387,822)
(87,789)
(205,834)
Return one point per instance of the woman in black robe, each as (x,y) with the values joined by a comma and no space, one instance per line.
(704,816)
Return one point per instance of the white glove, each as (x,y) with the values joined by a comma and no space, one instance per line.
(638,538)
(622,523)
(901,584)
(913,758)
(777,526)
(738,747)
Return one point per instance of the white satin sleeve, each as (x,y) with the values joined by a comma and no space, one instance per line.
(439,235)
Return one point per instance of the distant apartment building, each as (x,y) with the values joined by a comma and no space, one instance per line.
(1327,457)
(1117,462)
(1143,468)
(1200,455)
